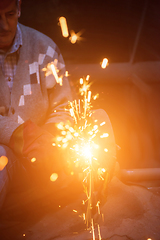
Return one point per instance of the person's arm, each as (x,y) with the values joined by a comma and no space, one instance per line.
(59,96)
(7,126)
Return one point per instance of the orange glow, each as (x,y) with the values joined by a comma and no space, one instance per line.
(104,63)
(64,28)
(3,162)
(53,177)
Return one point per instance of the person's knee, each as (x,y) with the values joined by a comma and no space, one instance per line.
(7,152)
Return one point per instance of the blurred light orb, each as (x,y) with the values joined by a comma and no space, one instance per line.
(54,177)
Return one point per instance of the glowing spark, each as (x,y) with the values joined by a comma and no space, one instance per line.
(66,74)
(64,132)
(73,38)
(3,162)
(24,234)
(54,177)
(96,96)
(103,123)
(33,159)
(89,96)
(60,126)
(75,211)
(106,150)
(53,144)
(95,127)
(104,63)
(59,139)
(87,78)
(64,28)
(99,234)
(54,72)
(104,135)
(81,81)
(93,231)
(98,207)
(76,134)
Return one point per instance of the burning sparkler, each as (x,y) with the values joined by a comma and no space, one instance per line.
(82,142)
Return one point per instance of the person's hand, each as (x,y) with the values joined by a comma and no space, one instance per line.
(35,144)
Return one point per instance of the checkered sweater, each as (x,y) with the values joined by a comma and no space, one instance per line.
(34,96)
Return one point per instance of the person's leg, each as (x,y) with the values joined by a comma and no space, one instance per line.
(6,174)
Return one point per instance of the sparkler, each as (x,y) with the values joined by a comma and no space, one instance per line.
(81,140)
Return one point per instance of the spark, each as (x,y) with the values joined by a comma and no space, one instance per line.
(103,123)
(75,211)
(64,27)
(51,69)
(106,150)
(99,233)
(66,74)
(104,135)
(75,36)
(104,63)
(33,159)
(54,177)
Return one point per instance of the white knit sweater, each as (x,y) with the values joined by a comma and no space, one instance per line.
(34,96)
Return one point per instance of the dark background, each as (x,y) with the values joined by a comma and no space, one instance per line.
(127,32)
